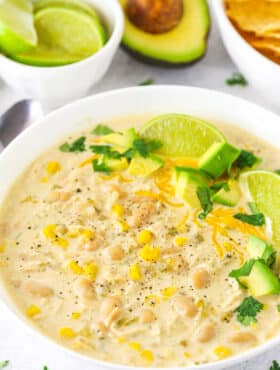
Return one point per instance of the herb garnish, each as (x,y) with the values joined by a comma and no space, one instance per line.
(4,364)
(237,79)
(204,196)
(100,166)
(147,82)
(274,366)
(105,150)
(278,307)
(256,219)
(244,270)
(246,159)
(143,147)
(101,130)
(77,146)
(277,171)
(248,310)
(220,185)
(45,368)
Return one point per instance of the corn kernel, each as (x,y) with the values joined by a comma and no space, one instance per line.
(147,355)
(180,241)
(135,272)
(73,234)
(53,167)
(2,247)
(44,179)
(67,333)
(118,210)
(144,237)
(222,352)
(123,226)
(75,315)
(63,243)
(33,311)
(254,326)
(187,354)
(121,340)
(168,292)
(87,234)
(73,265)
(50,231)
(91,270)
(135,345)
(150,254)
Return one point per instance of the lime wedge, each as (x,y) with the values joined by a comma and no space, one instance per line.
(263,188)
(17,32)
(65,36)
(72,4)
(182,135)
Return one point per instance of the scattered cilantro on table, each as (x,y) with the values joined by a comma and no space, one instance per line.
(147,82)
(77,146)
(237,79)
(4,364)
(275,366)
(248,310)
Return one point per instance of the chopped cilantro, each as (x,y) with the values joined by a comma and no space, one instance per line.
(147,82)
(278,307)
(277,171)
(256,219)
(246,159)
(237,79)
(77,146)
(101,130)
(4,364)
(220,185)
(106,150)
(129,154)
(144,146)
(204,196)
(244,270)
(248,310)
(275,366)
(100,166)
(45,368)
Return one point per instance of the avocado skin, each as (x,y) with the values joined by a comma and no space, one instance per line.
(168,64)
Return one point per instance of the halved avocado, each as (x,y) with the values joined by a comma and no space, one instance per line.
(182,44)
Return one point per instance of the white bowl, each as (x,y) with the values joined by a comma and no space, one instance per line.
(54,86)
(260,71)
(207,104)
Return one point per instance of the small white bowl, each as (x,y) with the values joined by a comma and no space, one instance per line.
(54,86)
(260,71)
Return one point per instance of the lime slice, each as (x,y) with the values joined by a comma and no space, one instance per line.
(17,32)
(65,36)
(182,135)
(263,188)
(72,4)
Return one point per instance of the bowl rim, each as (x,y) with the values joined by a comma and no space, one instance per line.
(219,7)
(223,364)
(114,39)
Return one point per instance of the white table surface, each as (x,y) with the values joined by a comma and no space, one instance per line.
(28,352)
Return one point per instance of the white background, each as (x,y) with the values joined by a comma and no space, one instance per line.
(28,352)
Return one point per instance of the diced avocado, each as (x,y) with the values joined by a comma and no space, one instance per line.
(161,38)
(218,159)
(228,198)
(186,182)
(121,141)
(259,249)
(143,167)
(261,280)
(113,164)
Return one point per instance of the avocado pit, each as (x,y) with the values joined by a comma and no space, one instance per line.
(155,16)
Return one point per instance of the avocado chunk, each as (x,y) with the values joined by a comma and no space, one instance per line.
(187,180)
(121,141)
(113,164)
(144,167)
(183,43)
(261,280)
(218,159)
(259,249)
(229,197)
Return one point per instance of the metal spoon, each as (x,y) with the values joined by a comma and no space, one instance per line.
(17,118)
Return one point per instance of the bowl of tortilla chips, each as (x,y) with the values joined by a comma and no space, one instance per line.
(250,30)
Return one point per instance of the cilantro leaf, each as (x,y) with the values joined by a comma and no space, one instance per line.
(4,364)
(244,270)
(129,154)
(105,150)
(256,219)
(277,171)
(147,82)
(204,196)
(237,79)
(101,130)
(275,366)
(246,159)
(144,146)
(45,368)
(220,185)
(77,146)
(248,310)
(100,166)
